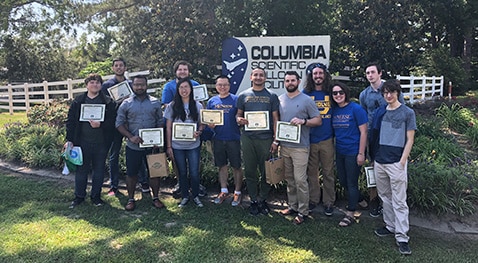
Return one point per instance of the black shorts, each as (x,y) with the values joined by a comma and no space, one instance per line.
(227,150)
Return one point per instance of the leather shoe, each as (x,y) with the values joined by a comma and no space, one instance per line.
(130,206)
(157,204)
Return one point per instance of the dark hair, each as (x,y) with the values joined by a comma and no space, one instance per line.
(118,59)
(178,106)
(179,63)
(376,64)
(263,69)
(392,85)
(93,76)
(343,87)
(310,84)
(293,73)
(223,77)
(139,77)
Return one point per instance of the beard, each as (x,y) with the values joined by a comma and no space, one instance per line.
(291,89)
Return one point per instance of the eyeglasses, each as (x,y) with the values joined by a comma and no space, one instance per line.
(222,85)
(335,93)
(139,84)
(311,67)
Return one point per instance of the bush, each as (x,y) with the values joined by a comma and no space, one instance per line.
(442,189)
(456,117)
(35,145)
(55,114)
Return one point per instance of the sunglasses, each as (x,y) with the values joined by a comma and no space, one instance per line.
(335,93)
(316,65)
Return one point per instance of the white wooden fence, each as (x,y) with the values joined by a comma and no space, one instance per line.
(22,97)
(421,88)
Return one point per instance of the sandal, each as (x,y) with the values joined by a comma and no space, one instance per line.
(288,211)
(346,221)
(299,219)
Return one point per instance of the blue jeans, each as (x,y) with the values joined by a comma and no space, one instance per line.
(94,156)
(188,160)
(348,173)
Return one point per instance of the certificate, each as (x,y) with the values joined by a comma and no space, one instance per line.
(370,174)
(258,120)
(120,91)
(151,137)
(183,131)
(92,112)
(212,117)
(200,93)
(287,132)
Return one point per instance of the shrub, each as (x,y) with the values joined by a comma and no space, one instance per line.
(437,188)
(456,117)
(55,114)
(35,145)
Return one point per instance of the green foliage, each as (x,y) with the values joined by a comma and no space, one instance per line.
(456,117)
(208,172)
(438,62)
(472,135)
(442,189)
(103,68)
(35,145)
(55,114)
(440,150)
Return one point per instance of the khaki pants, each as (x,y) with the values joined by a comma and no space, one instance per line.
(392,182)
(295,167)
(321,153)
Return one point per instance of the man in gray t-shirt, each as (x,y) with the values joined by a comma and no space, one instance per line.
(300,110)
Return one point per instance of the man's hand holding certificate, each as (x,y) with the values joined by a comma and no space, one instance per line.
(151,137)
(92,112)
(215,117)
(257,120)
(288,132)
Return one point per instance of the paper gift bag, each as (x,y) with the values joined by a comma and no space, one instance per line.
(274,170)
(157,165)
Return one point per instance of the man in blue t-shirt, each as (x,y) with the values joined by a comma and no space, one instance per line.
(226,140)
(393,135)
(321,141)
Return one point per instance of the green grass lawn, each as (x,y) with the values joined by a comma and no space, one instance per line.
(36,225)
(5,117)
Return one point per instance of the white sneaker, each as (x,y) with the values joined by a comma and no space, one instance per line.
(183,202)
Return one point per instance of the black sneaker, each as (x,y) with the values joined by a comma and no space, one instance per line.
(264,208)
(254,208)
(76,202)
(404,248)
(383,232)
(312,206)
(329,210)
(202,190)
(376,211)
(97,202)
(145,187)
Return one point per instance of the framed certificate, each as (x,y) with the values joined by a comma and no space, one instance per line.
(258,120)
(200,93)
(370,174)
(212,117)
(120,91)
(151,137)
(92,112)
(183,131)
(287,132)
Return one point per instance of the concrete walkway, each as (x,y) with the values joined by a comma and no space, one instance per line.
(440,224)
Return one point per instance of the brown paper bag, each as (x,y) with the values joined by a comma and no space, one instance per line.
(274,170)
(157,165)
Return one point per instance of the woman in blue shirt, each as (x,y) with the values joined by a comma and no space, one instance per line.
(349,121)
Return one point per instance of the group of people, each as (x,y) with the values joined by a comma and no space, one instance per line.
(334,132)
